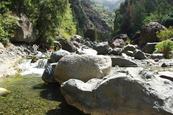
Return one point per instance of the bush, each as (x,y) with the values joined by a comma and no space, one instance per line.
(165,47)
(165,34)
(7,27)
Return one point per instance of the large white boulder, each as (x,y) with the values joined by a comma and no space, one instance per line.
(82,67)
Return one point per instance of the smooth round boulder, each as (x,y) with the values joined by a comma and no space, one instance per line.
(4,92)
(82,67)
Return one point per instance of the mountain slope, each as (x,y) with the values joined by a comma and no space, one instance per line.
(89,21)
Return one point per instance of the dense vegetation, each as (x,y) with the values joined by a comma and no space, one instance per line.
(135,13)
(166,45)
(50,18)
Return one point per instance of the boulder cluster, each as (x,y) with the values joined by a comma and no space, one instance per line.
(111,78)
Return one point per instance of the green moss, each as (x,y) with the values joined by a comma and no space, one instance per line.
(30,96)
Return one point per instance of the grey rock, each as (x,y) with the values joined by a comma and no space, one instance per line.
(56,56)
(121,94)
(24,31)
(157,56)
(140,55)
(102,48)
(115,51)
(48,75)
(148,33)
(149,47)
(122,62)
(82,67)
(166,75)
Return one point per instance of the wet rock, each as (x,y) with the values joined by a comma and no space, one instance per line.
(167,64)
(56,56)
(166,75)
(48,75)
(122,62)
(121,93)
(83,67)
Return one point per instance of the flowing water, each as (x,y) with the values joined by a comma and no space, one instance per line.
(31,96)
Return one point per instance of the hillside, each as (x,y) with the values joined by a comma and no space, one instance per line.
(134,13)
(90,22)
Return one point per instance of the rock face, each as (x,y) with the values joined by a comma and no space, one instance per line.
(24,32)
(89,20)
(56,56)
(148,33)
(130,92)
(82,67)
(122,62)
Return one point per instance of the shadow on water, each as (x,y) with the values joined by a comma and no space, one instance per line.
(52,92)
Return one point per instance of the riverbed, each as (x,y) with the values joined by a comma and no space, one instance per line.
(31,96)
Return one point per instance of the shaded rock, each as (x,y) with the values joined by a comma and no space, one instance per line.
(24,32)
(121,94)
(148,33)
(129,48)
(140,55)
(117,43)
(83,67)
(56,56)
(157,56)
(4,92)
(48,75)
(166,75)
(167,64)
(122,62)
(149,47)
(67,45)
(115,51)
(102,48)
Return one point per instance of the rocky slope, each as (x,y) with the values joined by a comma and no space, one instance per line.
(90,23)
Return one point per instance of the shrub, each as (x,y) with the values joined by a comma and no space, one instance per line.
(165,47)
(165,34)
(7,27)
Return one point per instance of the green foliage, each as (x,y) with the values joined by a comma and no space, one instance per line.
(134,13)
(7,26)
(165,34)
(50,18)
(165,47)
